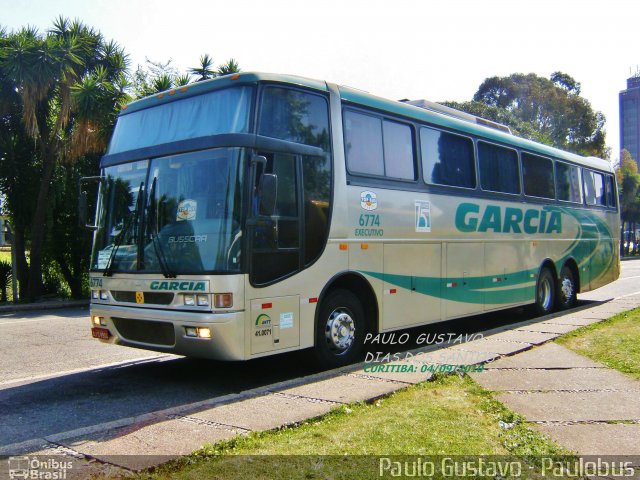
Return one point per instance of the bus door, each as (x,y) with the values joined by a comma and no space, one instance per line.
(275,235)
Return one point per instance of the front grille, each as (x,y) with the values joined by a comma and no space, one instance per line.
(146,331)
(154,298)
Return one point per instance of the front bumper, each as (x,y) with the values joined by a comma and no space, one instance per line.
(227,331)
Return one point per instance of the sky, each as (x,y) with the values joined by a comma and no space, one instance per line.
(436,50)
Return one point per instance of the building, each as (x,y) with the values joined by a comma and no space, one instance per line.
(630,117)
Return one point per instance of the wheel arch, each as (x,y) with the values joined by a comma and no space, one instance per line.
(550,264)
(356,283)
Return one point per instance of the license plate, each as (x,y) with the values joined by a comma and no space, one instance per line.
(101,333)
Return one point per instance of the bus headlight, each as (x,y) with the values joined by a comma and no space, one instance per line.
(199,332)
(203,300)
(189,300)
(204,332)
(95,294)
(103,295)
(223,300)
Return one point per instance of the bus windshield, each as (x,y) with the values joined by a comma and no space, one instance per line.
(221,111)
(179,214)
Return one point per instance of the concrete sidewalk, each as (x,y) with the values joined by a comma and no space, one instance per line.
(44,306)
(570,398)
(577,402)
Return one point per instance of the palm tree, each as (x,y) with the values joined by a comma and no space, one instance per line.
(66,79)
(228,68)
(5,279)
(204,71)
(182,80)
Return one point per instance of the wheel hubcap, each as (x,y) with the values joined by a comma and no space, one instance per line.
(340,330)
(566,289)
(544,294)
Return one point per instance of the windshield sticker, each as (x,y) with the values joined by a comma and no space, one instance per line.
(187,210)
(368,200)
(103,257)
(423,216)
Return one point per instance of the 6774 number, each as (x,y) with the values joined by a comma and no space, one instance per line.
(369,220)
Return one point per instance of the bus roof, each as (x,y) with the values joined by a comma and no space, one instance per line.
(365,99)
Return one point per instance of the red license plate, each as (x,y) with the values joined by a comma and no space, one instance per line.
(101,333)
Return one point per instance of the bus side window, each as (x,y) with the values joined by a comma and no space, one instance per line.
(447,159)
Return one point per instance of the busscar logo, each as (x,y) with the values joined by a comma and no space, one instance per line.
(368,200)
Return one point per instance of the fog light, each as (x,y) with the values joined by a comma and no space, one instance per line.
(204,332)
(95,295)
(191,331)
(203,300)
(103,295)
(189,300)
(223,300)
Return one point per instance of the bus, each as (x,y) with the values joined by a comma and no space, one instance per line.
(256,214)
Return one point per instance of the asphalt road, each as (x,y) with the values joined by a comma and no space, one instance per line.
(55,378)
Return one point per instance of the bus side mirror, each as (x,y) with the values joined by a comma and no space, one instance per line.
(267,194)
(82,209)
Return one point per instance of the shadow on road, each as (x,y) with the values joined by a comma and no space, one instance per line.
(70,402)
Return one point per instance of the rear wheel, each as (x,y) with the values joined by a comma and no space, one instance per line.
(340,330)
(545,292)
(567,289)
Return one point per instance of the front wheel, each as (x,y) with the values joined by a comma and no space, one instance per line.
(340,330)
(545,292)
(567,289)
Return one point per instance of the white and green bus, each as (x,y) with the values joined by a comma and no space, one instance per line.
(255,214)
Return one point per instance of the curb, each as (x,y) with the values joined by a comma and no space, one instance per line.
(54,305)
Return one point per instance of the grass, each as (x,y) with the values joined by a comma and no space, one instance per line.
(448,416)
(615,342)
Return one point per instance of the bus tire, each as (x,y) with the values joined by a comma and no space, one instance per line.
(340,330)
(545,292)
(567,289)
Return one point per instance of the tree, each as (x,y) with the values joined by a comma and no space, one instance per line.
(553,107)
(70,83)
(160,76)
(628,184)
(204,71)
(500,115)
(231,66)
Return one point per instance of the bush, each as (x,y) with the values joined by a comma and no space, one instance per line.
(5,279)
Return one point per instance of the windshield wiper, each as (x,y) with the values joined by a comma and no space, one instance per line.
(108,271)
(157,244)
